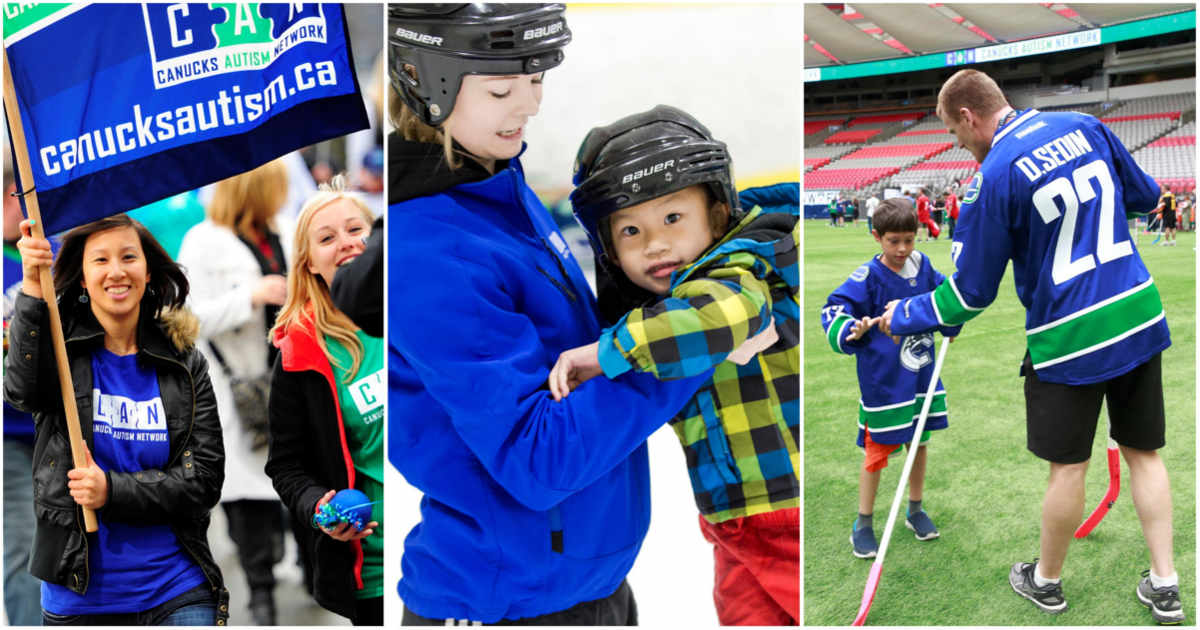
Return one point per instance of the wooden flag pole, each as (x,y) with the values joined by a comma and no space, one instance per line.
(47,282)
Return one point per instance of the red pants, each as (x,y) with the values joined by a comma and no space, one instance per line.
(757,568)
(930,225)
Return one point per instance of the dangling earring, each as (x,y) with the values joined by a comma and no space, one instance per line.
(83,298)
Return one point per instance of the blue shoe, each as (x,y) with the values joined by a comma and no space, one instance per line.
(921,524)
(863,541)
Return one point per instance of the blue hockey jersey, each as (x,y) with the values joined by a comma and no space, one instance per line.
(1053,195)
(892,378)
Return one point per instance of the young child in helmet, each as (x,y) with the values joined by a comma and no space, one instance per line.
(533,511)
(694,284)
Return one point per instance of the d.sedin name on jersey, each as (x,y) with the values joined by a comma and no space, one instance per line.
(1054,154)
(649,170)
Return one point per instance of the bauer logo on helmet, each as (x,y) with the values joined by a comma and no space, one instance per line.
(649,170)
(543,31)
(420,38)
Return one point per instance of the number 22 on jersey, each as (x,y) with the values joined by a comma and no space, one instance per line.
(1072,193)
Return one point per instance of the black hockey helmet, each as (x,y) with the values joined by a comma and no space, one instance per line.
(644,156)
(442,42)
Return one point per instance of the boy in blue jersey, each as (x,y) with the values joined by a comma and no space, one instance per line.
(1052,194)
(892,377)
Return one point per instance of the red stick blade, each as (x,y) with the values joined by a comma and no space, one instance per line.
(1093,520)
(868,593)
(1110,496)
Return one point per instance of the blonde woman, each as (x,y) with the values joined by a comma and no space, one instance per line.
(236,263)
(326,409)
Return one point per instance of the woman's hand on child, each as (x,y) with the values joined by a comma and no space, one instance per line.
(573,368)
(754,345)
(35,252)
(344,532)
(88,485)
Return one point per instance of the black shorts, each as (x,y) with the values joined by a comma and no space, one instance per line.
(1060,420)
(1168,220)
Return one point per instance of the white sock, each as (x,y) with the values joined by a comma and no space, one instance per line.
(1040,581)
(1160,582)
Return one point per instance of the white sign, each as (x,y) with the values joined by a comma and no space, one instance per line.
(819,197)
(1038,46)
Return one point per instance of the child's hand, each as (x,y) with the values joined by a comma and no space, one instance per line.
(860,327)
(752,346)
(573,368)
(885,320)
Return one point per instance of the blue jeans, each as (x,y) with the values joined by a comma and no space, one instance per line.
(22,591)
(193,608)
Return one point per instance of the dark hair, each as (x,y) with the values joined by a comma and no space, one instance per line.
(895,215)
(166,288)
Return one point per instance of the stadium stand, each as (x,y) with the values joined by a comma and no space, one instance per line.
(909,149)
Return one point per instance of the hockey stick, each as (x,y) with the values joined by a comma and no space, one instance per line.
(1110,497)
(1152,223)
(877,566)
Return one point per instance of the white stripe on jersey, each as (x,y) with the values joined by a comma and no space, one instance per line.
(1080,313)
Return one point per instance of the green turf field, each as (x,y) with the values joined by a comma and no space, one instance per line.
(984,489)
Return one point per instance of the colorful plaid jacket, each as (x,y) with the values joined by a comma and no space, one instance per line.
(741,430)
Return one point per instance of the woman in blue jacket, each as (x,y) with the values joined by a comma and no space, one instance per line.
(533,510)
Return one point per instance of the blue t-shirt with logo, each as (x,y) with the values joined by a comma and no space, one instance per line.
(132,567)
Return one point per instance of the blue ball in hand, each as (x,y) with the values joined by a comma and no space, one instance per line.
(347,506)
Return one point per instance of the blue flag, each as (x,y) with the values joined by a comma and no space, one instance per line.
(125,104)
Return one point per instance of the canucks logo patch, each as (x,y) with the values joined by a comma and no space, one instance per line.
(973,188)
(368,394)
(916,352)
(860,274)
(194,41)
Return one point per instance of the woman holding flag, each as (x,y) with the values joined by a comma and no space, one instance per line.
(326,410)
(155,460)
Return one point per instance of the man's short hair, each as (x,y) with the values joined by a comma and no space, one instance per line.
(895,215)
(973,90)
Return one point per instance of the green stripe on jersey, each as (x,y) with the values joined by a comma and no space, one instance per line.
(1079,334)
(950,307)
(835,332)
(899,416)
